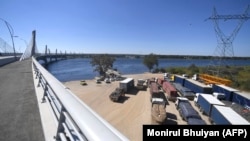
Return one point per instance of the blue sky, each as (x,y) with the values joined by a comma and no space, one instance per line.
(169,27)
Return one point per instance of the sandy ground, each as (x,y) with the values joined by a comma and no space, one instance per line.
(131,112)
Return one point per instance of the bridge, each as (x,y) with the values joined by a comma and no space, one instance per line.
(34,105)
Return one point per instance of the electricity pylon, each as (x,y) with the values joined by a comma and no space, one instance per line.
(224,48)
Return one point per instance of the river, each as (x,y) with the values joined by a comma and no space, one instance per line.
(80,68)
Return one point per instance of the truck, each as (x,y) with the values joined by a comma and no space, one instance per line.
(127,84)
(154,90)
(117,94)
(158,111)
(185,92)
(140,84)
(197,86)
(187,112)
(170,91)
(206,101)
(222,115)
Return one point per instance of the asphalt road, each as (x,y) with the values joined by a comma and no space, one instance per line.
(19,113)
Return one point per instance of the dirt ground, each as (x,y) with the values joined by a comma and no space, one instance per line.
(131,112)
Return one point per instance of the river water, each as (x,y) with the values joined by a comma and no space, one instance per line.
(80,68)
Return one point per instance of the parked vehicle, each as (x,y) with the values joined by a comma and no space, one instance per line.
(187,112)
(185,92)
(170,90)
(206,101)
(154,90)
(195,121)
(117,94)
(220,96)
(127,84)
(222,115)
(158,111)
(197,86)
(141,84)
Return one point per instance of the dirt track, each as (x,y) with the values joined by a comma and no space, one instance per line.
(131,112)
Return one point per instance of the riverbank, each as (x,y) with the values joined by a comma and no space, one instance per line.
(128,115)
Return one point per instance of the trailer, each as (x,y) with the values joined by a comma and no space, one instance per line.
(242,98)
(127,84)
(228,91)
(170,91)
(187,111)
(185,92)
(154,90)
(206,101)
(222,115)
(197,86)
(179,79)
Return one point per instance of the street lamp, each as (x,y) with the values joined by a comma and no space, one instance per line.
(11,31)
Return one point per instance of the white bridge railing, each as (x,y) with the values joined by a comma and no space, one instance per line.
(76,121)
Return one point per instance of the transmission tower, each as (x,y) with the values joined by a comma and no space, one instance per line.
(224,48)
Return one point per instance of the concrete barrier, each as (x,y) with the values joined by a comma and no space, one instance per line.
(6,60)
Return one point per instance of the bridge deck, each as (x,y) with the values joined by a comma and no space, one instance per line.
(19,112)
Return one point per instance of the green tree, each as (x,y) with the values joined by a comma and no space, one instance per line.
(102,63)
(150,61)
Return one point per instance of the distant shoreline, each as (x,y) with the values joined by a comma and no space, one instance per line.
(89,55)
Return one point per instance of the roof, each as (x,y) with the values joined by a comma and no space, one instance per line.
(211,99)
(126,80)
(233,117)
(228,88)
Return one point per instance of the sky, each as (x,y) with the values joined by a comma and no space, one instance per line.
(165,27)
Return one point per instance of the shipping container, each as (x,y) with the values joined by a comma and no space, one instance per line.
(228,91)
(241,98)
(170,90)
(206,101)
(127,84)
(179,79)
(197,86)
(222,115)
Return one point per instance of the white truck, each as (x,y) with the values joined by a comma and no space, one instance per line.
(126,84)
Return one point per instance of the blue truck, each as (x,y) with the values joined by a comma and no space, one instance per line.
(206,101)
(187,112)
(222,115)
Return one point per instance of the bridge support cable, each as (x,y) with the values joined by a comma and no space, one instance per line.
(75,120)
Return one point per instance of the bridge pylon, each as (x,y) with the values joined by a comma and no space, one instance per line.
(31,49)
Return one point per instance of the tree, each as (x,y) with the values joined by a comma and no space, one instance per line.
(150,61)
(102,63)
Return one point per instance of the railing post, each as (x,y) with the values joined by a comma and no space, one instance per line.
(39,77)
(45,92)
(60,128)
(36,72)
